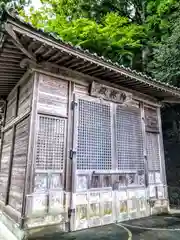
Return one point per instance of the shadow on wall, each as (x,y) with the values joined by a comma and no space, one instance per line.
(171,137)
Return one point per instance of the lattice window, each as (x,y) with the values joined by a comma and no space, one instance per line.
(153,155)
(129,140)
(94,136)
(50,143)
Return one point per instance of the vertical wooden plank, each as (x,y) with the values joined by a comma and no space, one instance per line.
(67,171)
(162,157)
(10,166)
(2,133)
(25,97)
(5,162)
(17,102)
(144,143)
(1,147)
(73,163)
(12,149)
(19,164)
(113,137)
(31,145)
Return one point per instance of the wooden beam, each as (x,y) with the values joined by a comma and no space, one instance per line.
(52,58)
(31,147)
(9,55)
(86,66)
(64,58)
(6,50)
(16,41)
(10,46)
(2,40)
(47,53)
(5,59)
(170,100)
(79,77)
(68,63)
(39,49)
(77,64)
(93,72)
(31,45)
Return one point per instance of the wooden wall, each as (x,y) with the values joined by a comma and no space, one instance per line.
(5,162)
(49,148)
(15,145)
(49,105)
(19,164)
(53,95)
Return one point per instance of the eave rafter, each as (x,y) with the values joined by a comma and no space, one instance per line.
(9,29)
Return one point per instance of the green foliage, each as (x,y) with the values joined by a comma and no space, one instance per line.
(166,59)
(115,37)
(142,34)
(13,4)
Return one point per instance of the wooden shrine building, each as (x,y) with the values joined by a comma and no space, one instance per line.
(81,138)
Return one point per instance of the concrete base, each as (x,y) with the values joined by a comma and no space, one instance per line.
(5,234)
(11,226)
(32,228)
(160,206)
(37,227)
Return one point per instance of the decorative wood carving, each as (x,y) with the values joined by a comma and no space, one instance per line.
(109,93)
(151,120)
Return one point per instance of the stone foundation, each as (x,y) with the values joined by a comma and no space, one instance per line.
(160,206)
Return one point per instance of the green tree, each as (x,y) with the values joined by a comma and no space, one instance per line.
(115,37)
(97,9)
(13,4)
(163,30)
(165,65)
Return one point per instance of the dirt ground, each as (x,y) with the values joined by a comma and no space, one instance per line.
(165,227)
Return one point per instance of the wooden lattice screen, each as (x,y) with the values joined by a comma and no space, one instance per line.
(129,139)
(50,143)
(94,136)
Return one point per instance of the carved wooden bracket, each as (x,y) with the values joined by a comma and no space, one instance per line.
(109,93)
(28,63)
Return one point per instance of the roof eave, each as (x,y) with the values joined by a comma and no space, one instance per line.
(54,43)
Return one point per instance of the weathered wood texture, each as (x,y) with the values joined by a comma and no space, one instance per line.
(23,105)
(25,97)
(49,158)
(53,96)
(151,120)
(11,109)
(13,162)
(152,138)
(19,164)
(81,90)
(5,161)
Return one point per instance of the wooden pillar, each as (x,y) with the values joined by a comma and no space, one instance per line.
(162,157)
(144,143)
(31,147)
